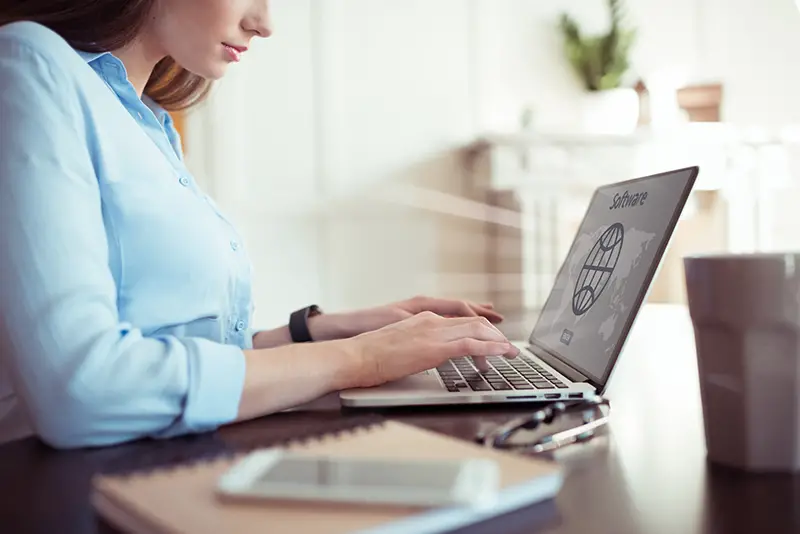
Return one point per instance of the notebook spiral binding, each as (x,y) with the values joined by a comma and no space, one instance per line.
(185,452)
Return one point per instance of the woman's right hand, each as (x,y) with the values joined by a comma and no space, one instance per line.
(423,342)
(297,373)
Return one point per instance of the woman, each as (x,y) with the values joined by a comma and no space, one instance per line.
(125,294)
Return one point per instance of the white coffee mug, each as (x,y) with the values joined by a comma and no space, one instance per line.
(746,315)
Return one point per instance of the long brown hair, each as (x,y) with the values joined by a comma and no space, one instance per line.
(105,25)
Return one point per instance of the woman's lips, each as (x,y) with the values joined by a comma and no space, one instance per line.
(234,52)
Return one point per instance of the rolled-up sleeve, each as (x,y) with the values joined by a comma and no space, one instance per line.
(85,377)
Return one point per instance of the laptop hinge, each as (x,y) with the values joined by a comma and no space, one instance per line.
(558,365)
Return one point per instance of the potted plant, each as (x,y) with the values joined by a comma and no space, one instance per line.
(601,62)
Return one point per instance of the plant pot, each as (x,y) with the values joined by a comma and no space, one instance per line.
(611,112)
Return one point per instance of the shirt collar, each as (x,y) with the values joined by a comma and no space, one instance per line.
(89,57)
(162,115)
(107,65)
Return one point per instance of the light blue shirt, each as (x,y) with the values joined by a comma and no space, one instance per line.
(125,295)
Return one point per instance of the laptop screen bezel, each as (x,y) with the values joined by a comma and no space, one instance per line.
(599,383)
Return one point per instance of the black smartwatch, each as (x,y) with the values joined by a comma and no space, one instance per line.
(298,323)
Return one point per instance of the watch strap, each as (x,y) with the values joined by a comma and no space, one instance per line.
(298,323)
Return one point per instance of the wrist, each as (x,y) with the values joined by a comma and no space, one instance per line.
(267,339)
(331,326)
(354,369)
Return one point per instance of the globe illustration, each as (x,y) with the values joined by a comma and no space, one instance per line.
(597,269)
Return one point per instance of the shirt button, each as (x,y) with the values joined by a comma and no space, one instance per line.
(184,181)
(234,246)
(240,326)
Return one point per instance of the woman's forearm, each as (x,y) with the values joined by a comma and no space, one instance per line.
(280,378)
(268,339)
(326,327)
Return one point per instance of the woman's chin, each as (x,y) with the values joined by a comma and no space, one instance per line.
(210,72)
(214,73)
(217,71)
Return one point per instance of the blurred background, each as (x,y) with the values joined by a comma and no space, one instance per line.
(372,150)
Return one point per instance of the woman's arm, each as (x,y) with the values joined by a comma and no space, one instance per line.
(283,377)
(325,327)
(328,327)
(85,377)
(290,375)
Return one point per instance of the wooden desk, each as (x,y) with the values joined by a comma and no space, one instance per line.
(648,476)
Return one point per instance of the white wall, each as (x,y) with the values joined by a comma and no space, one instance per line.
(753,46)
(349,97)
(398,77)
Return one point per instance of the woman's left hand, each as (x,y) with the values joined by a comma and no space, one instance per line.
(334,326)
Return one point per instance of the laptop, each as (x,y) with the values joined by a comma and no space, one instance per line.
(587,316)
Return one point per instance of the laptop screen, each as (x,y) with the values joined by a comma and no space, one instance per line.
(608,270)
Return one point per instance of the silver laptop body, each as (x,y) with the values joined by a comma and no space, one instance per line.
(586,319)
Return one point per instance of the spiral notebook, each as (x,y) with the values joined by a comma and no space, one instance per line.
(182,498)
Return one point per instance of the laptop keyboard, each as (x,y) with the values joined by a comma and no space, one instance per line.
(520,373)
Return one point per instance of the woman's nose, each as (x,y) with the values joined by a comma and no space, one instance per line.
(260,22)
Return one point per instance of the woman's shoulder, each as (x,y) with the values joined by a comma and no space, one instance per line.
(20,40)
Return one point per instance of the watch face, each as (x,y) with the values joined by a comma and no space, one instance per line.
(314,311)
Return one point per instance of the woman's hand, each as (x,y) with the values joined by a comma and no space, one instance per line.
(343,325)
(296,373)
(424,341)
